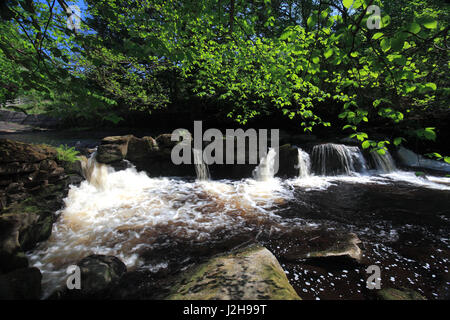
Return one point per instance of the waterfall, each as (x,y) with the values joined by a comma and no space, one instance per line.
(95,173)
(335,159)
(304,164)
(383,162)
(266,169)
(201,168)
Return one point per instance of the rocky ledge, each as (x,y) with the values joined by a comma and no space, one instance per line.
(154,157)
(33,184)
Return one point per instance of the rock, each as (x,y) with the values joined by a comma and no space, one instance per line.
(348,247)
(25,169)
(249,274)
(98,272)
(164,141)
(32,189)
(403,294)
(141,149)
(113,149)
(288,156)
(17,229)
(21,284)
(73,167)
(19,152)
(410,159)
(35,121)
(301,244)
(23,225)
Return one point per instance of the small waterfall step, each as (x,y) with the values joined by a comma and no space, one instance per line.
(201,168)
(383,163)
(303,164)
(266,168)
(335,159)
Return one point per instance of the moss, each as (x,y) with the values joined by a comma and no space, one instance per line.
(251,273)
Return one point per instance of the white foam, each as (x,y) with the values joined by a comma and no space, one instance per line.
(124,212)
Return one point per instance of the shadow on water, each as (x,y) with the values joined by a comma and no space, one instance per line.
(404,230)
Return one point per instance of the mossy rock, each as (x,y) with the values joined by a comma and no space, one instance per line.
(249,274)
(15,151)
(396,294)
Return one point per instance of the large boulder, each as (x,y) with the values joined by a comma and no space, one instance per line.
(249,274)
(141,149)
(21,284)
(288,165)
(98,272)
(410,159)
(113,149)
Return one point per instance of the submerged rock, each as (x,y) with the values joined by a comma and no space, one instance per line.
(252,273)
(396,294)
(347,246)
(21,284)
(318,244)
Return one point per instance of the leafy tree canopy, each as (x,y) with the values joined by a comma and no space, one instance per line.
(251,57)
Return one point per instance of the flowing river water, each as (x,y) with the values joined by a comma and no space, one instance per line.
(155,224)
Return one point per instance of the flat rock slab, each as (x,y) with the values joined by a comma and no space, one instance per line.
(249,274)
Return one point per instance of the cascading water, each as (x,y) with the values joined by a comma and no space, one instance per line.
(201,168)
(266,168)
(383,162)
(124,213)
(335,159)
(95,173)
(304,164)
(131,216)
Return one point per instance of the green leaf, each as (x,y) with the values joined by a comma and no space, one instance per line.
(377,35)
(286,34)
(386,20)
(347,3)
(366,144)
(398,141)
(431,85)
(328,53)
(430,23)
(397,43)
(385,45)
(414,28)
(429,134)
(357,4)
(312,20)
